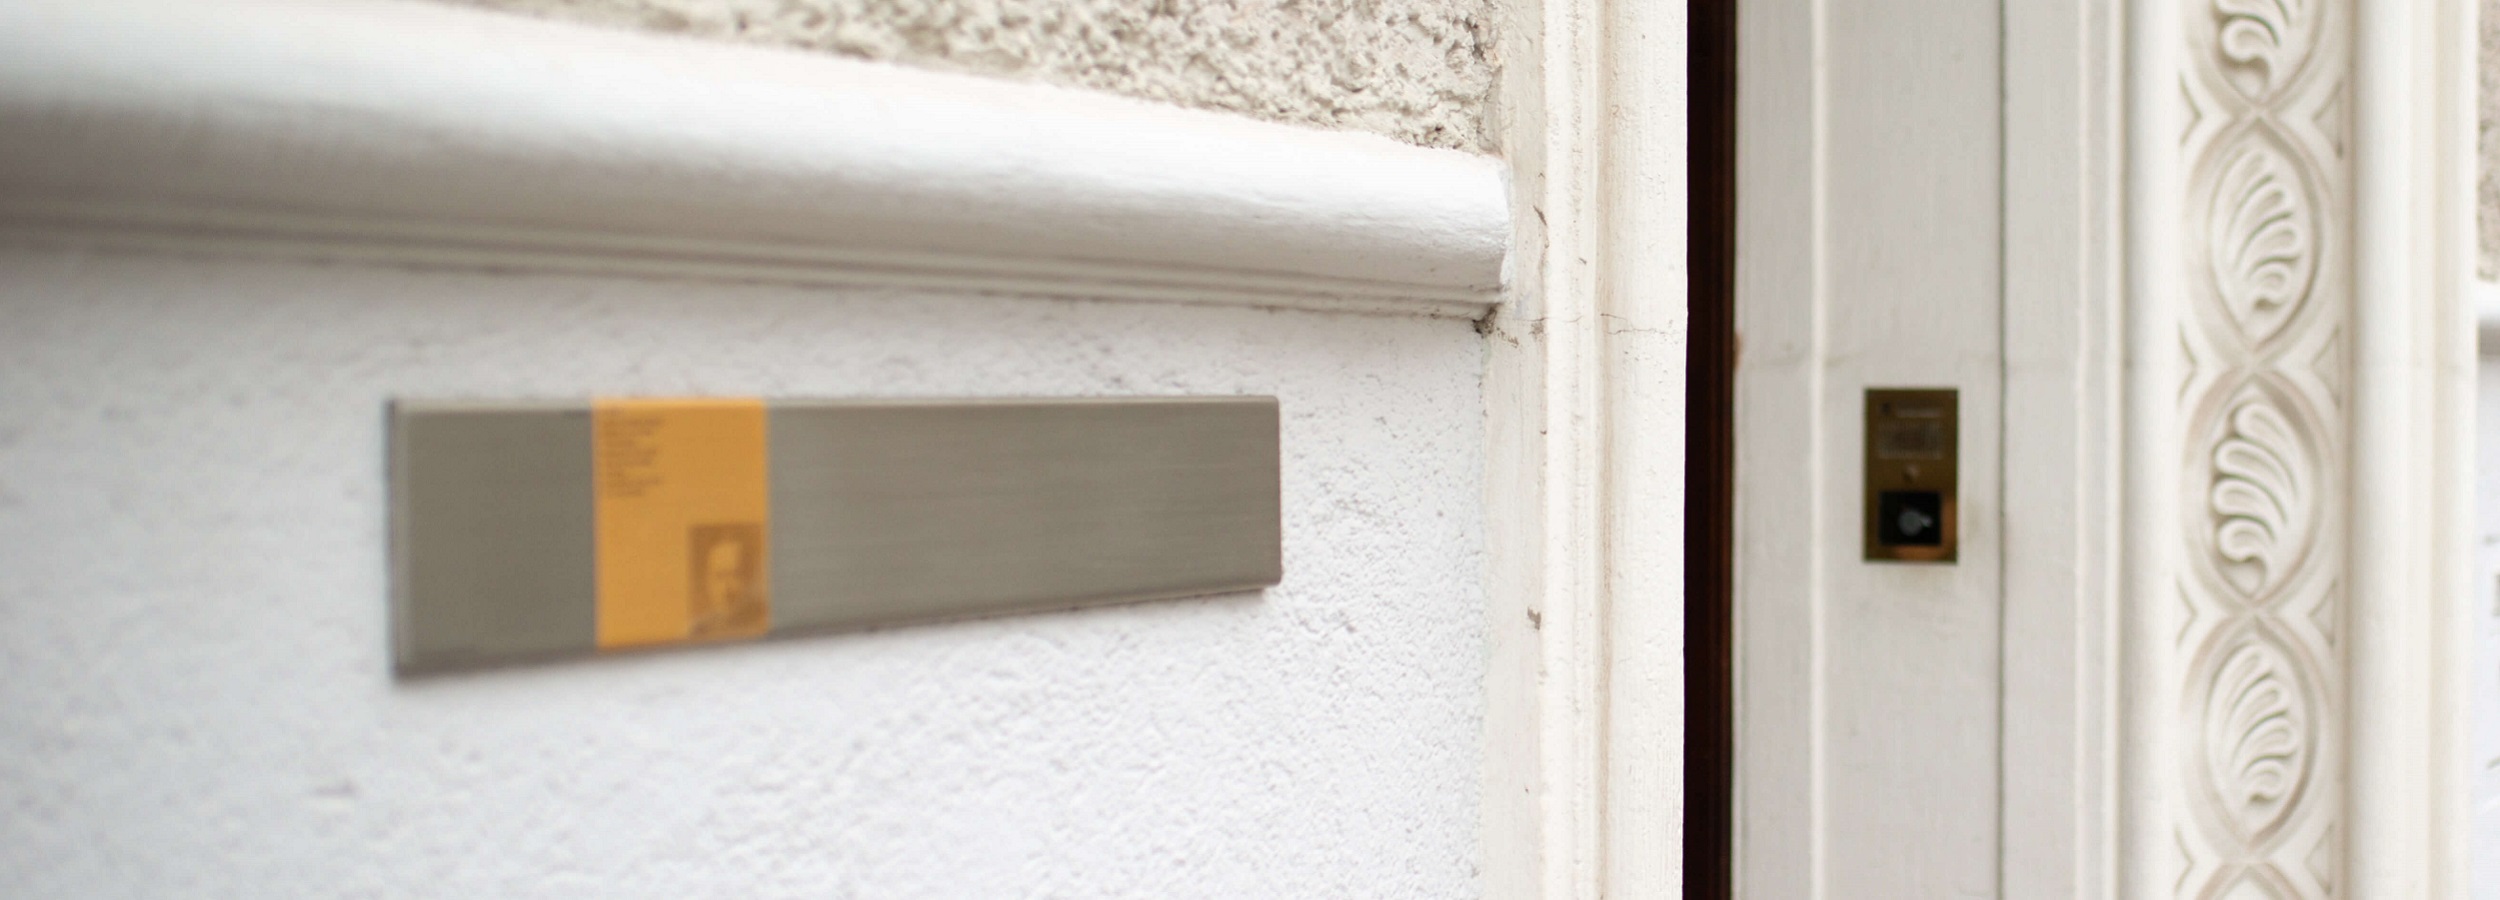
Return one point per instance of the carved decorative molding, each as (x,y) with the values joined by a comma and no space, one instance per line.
(2256,676)
(2261,497)
(2257,735)
(2263,241)
(2266,41)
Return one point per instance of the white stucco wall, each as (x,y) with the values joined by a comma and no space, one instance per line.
(1421,71)
(2487,101)
(195,699)
(2486,754)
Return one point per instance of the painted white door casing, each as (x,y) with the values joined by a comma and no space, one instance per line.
(1584,387)
(2300,236)
(2241,647)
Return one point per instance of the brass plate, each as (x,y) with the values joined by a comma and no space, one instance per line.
(1913,470)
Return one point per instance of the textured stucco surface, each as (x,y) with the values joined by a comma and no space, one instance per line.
(2488,101)
(194,688)
(1421,71)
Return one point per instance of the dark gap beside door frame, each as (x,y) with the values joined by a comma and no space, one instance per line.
(1710,454)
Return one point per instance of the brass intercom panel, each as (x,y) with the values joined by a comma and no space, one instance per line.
(1913,464)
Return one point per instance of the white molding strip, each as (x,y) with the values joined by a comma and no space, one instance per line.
(417,134)
(2412,466)
(2065,345)
(2255,675)
(2299,386)
(1584,401)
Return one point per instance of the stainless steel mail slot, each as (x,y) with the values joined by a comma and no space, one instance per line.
(524,530)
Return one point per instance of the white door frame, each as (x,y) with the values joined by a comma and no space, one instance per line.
(1584,396)
(2065,351)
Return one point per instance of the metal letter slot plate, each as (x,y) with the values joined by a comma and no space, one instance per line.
(1913,463)
(532,530)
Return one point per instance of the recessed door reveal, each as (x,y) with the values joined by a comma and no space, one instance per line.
(537,529)
(1913,460)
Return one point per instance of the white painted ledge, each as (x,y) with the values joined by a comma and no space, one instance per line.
(409,133)
(2487,315)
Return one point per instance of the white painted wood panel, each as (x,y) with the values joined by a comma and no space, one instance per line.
(1869,692)
(2064,191)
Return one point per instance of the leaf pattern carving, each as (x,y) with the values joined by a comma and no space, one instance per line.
(2260,496)
(2266,95)
(2267,40)
(2256,740)
(2262,245)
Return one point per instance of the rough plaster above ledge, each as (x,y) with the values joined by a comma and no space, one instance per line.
(408,133)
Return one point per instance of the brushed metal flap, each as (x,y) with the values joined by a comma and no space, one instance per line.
(880,512)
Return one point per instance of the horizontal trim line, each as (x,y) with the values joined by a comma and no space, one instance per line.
(385,131)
